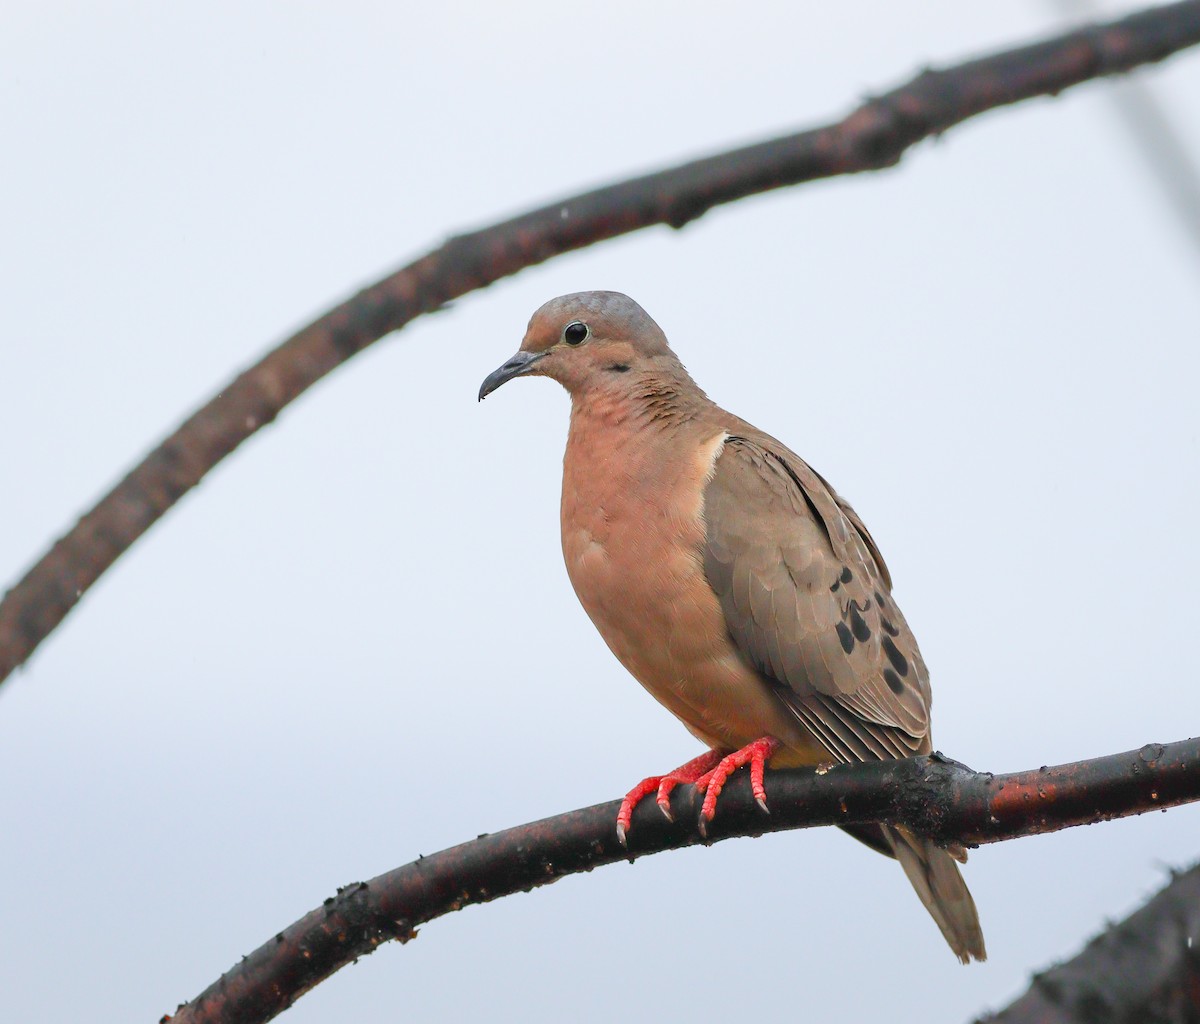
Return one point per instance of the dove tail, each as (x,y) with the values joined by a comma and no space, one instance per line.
(935,875)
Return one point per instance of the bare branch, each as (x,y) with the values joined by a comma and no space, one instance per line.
(1144,969)
(931,795)
(874,136)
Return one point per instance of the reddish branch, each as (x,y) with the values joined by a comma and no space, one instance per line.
(1144,969)
(932,795)
(872,137)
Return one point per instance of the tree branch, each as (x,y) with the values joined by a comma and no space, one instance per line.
(931,795)
(872,137)
(1144,969)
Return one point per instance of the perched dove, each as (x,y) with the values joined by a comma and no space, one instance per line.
(731,580)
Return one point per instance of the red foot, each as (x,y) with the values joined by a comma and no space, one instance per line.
(696,768)
(755,754)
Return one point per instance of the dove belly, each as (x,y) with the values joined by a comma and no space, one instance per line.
(636,564)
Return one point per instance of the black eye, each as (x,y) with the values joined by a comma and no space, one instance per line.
(576,332)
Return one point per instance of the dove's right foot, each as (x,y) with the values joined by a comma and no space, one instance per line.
(662,785)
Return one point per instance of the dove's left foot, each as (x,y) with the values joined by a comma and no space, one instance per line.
(756,755)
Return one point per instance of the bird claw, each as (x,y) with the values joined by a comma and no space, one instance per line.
(756,755)
(708,773)
(664,800)
(662,786)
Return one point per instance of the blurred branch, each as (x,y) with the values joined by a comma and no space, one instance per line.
(872,137)
(1148,123)
(1144,969)
(1165,153)
(931,795)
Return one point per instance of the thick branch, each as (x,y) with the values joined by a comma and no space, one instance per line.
(1144,969)
(872,137)
(931,795)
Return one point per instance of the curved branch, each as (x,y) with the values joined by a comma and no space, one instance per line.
(872,137)
(932,795)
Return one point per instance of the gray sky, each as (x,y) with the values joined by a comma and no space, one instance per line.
(307,673)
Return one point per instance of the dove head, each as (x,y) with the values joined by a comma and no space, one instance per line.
(588,341)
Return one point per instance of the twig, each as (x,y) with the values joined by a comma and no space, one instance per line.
(874,136)
(931,795)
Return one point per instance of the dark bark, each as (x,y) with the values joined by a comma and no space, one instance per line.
(1144,970)
(931,795)
(872,137)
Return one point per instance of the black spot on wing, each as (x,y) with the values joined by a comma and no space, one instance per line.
(887,624)
(893,681)
(862,632)
(847,575)
(844,636)
(898,660)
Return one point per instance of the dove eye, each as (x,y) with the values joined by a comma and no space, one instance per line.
(576,332)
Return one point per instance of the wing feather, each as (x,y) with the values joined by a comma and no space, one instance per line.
(808,602)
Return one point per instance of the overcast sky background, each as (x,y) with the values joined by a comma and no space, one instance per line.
(308,672)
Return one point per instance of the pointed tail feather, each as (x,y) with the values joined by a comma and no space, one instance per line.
(935,875)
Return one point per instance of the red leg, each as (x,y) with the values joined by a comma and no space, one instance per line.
(755,754)
(695,769)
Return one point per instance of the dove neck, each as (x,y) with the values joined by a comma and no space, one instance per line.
(660,399)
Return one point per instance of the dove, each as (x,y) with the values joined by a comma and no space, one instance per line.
(732,581)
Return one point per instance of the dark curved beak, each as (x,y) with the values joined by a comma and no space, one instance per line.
(521,363)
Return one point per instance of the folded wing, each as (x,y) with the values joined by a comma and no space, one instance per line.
(808,602)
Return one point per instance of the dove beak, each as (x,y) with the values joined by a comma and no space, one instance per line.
(518,365)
